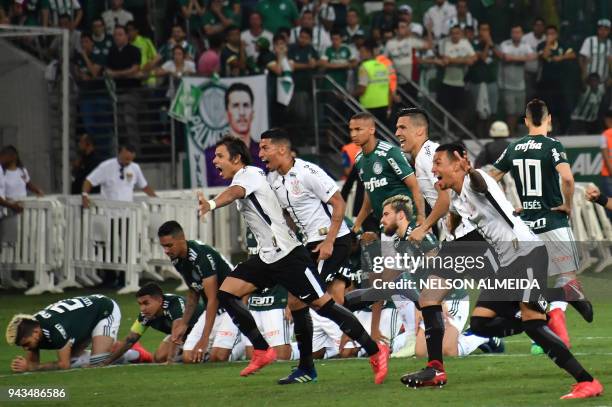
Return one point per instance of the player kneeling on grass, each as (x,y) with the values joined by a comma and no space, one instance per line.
(161,312)
(67,326)
(203,269)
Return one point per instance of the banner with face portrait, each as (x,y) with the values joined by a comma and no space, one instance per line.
(213,108)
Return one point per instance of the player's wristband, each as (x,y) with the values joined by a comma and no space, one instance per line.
(602,200)
(212,204)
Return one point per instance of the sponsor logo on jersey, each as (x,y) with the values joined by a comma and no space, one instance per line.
(374,183)
(377,168)
(212,262)
(536,224)
(530,145)
(261,301)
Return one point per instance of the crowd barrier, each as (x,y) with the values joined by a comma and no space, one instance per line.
(65,245)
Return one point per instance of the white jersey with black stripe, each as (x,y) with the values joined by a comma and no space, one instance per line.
(263,215)
(304,192)
(423,164)
(493,216)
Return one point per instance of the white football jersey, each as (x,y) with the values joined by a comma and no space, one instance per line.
(493,216)
(264,215)
(426,179)
(304,192)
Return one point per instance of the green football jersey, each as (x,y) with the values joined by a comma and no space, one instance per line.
(202,261)
(268,299)
(341,55)
(72,320)
(532,162)
(382,172)
(172,309)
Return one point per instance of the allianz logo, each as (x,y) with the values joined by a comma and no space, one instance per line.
(374,183)
(530,145)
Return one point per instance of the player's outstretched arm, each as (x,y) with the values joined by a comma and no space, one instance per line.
(326,247)
(21,364)
(179,327)
(496,174)
(438,211)
(210,287)
(225,198)
(129,340)
(477,181)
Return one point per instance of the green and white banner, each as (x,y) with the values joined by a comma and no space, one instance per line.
(211,108)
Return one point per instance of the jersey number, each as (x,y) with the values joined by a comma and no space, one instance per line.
(532,186)
(66,305)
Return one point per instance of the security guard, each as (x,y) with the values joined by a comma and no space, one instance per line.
(374,85)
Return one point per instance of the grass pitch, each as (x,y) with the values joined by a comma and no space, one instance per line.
(512,379)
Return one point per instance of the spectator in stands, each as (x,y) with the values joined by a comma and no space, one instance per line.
(233,55)
(117,178)
(17,207)
(74,38)
(35,12)
(405,15)
(253,33)
(552,85)
(176,68)
(178,37)
(596,52)
(320,37)
(534,39)
(325,14)
(401,51)
(148,53)
(304,58)
(88,64)
(16,177)
(209,63)
(123,67)
(386,19)
(338,59)
(218,18)
(457,56)
(513,54)
(277,68)
(483,72)
(70,7)
(116,15)
(463,18)
(373,84)
(264,57)
(193,11)
(353,27)
(437,16)
(499,131)
(585,117)
(277,14)
(101,39)
(81,167)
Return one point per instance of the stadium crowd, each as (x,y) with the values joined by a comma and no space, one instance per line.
(480,60)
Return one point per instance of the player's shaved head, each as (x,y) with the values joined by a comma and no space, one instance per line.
(170,228)
(418,117)
(151,289)
(451,148)
(277,136)
(364,116)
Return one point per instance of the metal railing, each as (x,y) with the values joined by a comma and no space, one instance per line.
(444,126)
(332,108)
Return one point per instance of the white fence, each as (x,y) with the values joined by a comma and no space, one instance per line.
(65,245)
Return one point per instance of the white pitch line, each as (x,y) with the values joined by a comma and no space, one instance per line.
(577,339)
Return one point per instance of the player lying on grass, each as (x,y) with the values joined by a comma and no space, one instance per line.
(281,260)
(203,269)
(477,197)
(161,312)
(67,326)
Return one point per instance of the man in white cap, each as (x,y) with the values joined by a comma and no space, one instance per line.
(596,51)
(405,15)
(499,131)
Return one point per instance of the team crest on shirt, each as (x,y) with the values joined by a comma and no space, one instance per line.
(377,168)
(295,187)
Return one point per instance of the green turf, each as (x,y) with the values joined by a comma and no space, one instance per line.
(515,378)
